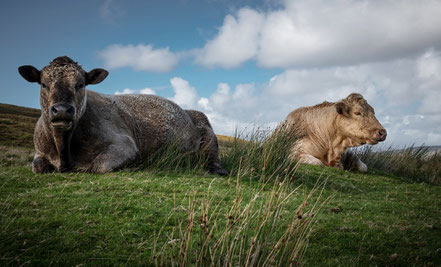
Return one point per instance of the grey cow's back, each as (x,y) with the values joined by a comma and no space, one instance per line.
(156,121)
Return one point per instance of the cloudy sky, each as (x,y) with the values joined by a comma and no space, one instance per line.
(242,62)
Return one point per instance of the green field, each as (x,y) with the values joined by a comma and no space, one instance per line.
(259,215)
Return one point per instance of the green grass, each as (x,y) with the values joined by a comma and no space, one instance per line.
(374,219)
(168,212)
(141,216)
(116,218)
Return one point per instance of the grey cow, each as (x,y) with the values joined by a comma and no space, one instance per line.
(81,130)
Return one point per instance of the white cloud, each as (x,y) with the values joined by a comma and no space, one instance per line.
(147,91)
(126,91)
(429,73)
(433,138)
(140,58)
(221,96)
(429,66)
(431,102)
(185,94)
(414,130)
(204,103)
(321,33)
(227,111)
(236,42)
(302,34)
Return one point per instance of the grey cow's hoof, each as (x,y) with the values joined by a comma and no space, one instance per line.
(42,165)
(100,168)
(362,167)
(219,171)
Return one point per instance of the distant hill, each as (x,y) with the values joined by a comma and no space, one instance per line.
(17,125)
(427,150)
(433,149)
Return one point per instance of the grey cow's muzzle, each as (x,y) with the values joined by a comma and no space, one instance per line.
(62,116)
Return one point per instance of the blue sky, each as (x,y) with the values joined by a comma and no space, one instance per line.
(243,63)
(35,32)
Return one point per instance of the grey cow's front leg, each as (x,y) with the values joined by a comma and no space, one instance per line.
(350,161)
(112,159)
(360,165)
(115,156)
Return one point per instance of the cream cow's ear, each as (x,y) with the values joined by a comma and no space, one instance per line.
(342,108)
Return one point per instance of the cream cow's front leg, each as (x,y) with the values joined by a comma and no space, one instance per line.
(309,159)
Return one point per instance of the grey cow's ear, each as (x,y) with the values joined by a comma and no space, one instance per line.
(96,76)
(30,73)
(342,108)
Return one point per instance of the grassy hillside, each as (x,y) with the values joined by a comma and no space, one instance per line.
(17,125)
(264,213)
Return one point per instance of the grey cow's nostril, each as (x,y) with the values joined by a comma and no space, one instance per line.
(70,110)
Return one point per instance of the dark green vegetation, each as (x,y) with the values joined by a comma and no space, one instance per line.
(266,212)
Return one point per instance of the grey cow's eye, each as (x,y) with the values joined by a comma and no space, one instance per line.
(79,86)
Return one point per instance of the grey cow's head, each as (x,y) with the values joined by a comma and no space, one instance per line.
(356,120)
(63,92)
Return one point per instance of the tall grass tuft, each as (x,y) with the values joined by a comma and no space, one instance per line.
(257,154)
(413,163)
(250,230)
(172,157)
(262,155)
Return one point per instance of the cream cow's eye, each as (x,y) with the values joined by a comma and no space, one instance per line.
(43,85)
(357,113)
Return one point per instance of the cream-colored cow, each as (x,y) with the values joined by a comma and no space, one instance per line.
(327,130)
